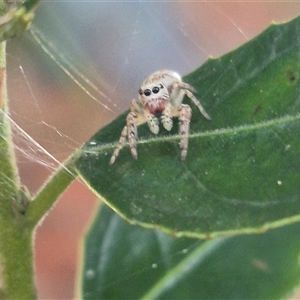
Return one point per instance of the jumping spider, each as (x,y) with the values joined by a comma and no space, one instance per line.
(161,94)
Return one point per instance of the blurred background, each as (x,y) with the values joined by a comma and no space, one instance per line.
(79,67)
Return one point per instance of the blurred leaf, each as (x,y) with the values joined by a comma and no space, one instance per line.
(17,19)
(242,170)
(127,262)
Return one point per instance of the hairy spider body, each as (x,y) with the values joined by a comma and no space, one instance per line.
(160,95)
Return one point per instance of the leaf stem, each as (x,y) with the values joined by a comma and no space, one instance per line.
(50,192)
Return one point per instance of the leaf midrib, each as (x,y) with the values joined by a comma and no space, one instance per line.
(207,133)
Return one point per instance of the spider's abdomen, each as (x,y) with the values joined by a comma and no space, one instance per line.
(156,106)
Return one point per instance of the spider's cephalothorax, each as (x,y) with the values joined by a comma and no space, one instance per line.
(161,94)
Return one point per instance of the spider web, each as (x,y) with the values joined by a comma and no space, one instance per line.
(81,64)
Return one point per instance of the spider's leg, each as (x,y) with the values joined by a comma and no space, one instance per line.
(166,118)
(186,89)
(119,146)
(132,133)
(197,103)
(185,86)
(185,114)
(152,122)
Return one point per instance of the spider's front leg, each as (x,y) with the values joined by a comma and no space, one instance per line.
(130,131)
(185,114)
(119,146)
(152,122)
(166,118)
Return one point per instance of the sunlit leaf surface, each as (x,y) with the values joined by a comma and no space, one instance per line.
(128,262)
(242,170)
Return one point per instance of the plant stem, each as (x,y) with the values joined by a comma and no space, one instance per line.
(16,255)
(17,263)
(16,227)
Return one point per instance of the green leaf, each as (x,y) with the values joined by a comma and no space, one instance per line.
(242,170)
(128,262)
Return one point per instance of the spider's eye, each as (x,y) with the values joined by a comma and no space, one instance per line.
(155,90)
(161,86)
(141,92)
(147,92)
